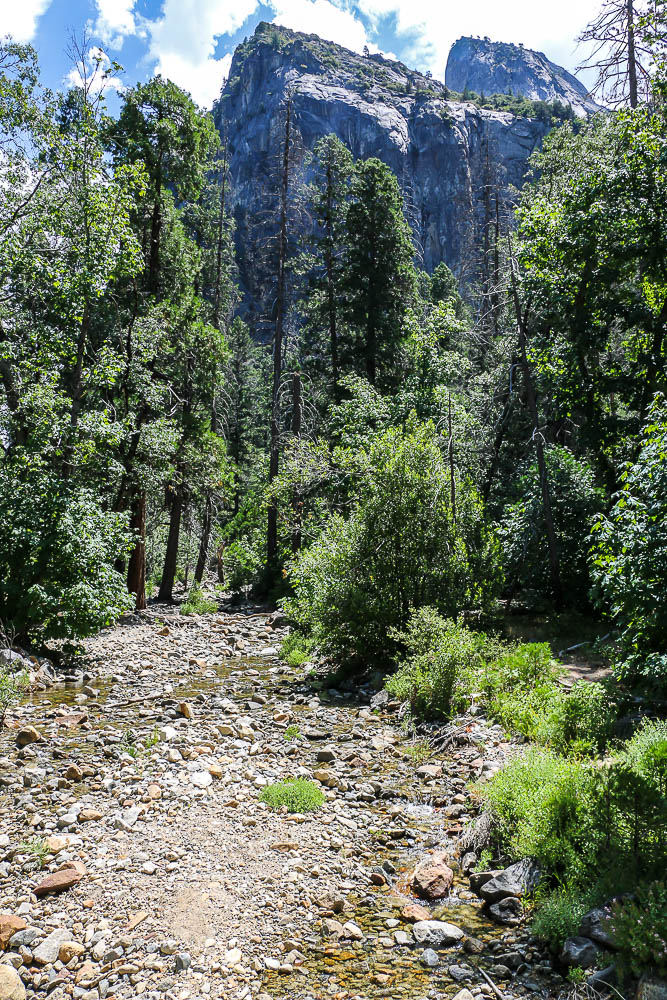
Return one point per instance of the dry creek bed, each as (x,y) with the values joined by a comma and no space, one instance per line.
(136,794)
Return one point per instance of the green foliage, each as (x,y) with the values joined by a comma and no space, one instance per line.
(639,928)
(57,553)
(38,848)
(400,548)
(296,649)
(559,917)
(12,686)
(441,660)
(575,503)
(296,795)
(595,829)
(379,279)
(629,557)
(198,604)
(292,733)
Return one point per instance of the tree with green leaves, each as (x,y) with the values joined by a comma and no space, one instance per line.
(379,280)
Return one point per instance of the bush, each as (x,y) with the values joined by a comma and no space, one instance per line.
(296,649)
(629,558)
(524,695)
(442,661)
(559,916)
(596,829)
(575,503)
(639,929)
(57,553)
(401,548)
(12,686)
(297,795)
(198,604)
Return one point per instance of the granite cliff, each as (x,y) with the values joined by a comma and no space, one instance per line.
(444,151)
(487,67)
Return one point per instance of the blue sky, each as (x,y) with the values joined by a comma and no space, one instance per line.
(191,41)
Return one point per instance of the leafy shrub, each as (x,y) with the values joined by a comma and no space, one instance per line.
(57,553)
(559,916)
(198,604)
(296,649)
(292,733)
(401,548)
(12,685)
(540,803)
(297,795)
(575,503)
(639,929)
(524,695)
(629,557)
(442,660)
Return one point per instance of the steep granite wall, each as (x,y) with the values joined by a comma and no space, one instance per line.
(487,67)
(442,150)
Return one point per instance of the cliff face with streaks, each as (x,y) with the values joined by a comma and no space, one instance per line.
(442,150)
(487,67)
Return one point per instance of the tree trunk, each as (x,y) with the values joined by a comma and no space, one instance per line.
(452,479)
(166,592)
(554,566)
(632,56)
(274,455)
(297,503)
(331,286)
(204,541)
(136,573)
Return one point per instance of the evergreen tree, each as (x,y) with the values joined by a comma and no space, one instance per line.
(379,278)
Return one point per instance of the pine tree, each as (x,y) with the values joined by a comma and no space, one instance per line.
(379,278)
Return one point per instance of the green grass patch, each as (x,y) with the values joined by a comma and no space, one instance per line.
(198,604)
(296,649)
(297,795)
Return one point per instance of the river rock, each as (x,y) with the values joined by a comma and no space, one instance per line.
(652,988)
(594,925)
(69,950)
(429,958)
(506,911)
(27,735)
(9,926)
(579,951)
(436,933)
(513,881)
(432,878)
(58,882)
(11,987)
(414,912)
(464,994)
(46,953)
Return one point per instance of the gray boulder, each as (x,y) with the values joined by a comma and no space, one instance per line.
(436,933)
(594,925)
(516,880)
(506,911)
(580,951)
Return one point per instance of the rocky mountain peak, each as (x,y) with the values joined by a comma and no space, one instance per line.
(486,67)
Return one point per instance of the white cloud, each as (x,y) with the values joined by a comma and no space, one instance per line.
(19,18)
(183,41)
(322,18)
(115,20)
(97,62)
(429,27)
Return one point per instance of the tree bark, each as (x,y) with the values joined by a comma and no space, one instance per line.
(297,503)
(166,592)
(274,455)
(204,541)
(136,573)
(554,565)
(632,56)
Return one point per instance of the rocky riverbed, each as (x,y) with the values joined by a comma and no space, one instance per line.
(137,860)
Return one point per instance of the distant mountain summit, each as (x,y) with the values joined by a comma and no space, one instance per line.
(486,67)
